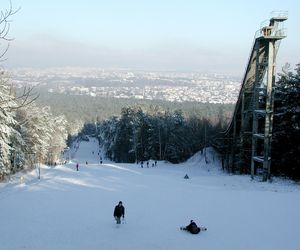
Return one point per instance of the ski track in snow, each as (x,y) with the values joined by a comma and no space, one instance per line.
(69,209)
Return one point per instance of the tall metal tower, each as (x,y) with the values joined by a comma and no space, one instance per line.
(263,93)
(247,140)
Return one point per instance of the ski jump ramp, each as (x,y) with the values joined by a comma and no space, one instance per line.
(245,147)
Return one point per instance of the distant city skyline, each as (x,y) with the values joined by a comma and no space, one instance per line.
(211,36)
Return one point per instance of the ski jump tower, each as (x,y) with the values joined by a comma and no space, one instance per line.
(245,146)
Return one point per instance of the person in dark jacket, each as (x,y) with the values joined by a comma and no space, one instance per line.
(192,228)
(119,212)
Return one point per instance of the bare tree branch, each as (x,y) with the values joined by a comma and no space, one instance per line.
(5,27)
(15,101)
(11,101)
(3,53)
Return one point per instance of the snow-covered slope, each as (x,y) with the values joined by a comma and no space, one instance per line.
(73,210)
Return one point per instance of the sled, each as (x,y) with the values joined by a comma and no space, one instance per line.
(201,229)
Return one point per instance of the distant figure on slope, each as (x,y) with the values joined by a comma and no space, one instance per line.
(193,228)
(147,164)
(77,166)
(119,212)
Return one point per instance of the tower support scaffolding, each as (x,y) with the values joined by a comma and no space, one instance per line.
(246,144)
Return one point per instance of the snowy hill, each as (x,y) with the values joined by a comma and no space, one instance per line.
(69,209)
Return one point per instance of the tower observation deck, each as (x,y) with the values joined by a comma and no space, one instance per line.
(245,147)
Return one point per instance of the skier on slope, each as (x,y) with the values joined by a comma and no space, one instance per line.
(119,212)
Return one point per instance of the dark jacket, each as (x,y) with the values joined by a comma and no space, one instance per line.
(193,228)
(119,211)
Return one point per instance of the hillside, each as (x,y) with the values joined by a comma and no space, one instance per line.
(67,209)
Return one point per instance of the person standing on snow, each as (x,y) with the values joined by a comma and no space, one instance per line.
(77,166)
(119,212)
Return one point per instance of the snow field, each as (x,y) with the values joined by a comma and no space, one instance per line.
(67,209)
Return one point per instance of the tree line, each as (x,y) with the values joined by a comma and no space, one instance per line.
(139,135)
(79,109)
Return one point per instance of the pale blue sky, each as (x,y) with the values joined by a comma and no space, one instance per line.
(209,36)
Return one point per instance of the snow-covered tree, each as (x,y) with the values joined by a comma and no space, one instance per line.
(26,131)
(44,134)
(107,135)
(58,139)
(7,122)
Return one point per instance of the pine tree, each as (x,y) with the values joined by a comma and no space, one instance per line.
(286,130)
(124,143)
(107,136)
(161,135)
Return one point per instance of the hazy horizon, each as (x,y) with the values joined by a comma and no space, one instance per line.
(212,37)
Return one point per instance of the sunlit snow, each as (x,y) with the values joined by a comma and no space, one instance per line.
(69,209)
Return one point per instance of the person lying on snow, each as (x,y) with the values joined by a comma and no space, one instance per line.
(193,228)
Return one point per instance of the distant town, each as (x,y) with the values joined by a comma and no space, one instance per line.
(119,83)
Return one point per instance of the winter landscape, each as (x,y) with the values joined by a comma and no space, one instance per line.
(69,209)
(157,105)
